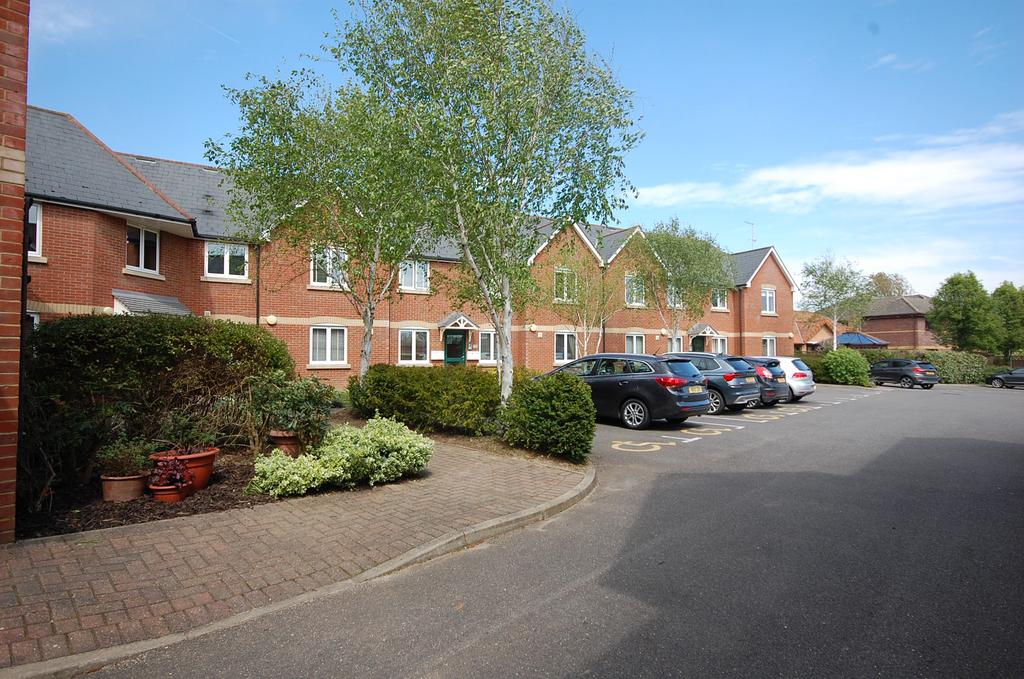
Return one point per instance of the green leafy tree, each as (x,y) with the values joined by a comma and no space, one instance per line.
(329,172)
(835,289)
(580,293)
(890,284)
(687,267)
(962,314)
(514,119)
(1008,304)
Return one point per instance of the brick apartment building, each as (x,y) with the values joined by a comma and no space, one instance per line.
(121,233)
(901,322)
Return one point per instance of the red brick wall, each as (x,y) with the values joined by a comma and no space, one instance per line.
(902,332)
(13,88)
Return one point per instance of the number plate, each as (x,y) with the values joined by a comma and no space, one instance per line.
(748,379)
(929,372)
(696,390)
(780,379)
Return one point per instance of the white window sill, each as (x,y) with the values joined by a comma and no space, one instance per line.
(225,279)
(37,259)
(769,313)
(563,301)
(142,273)
(563,361)
(413,291)
(325,288)
(411,363)
(720,310)
(487,362)
(636,306)
(328,366)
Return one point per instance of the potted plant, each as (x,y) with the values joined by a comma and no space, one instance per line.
(124,466)
(299,413)
(171,480)
(190,443)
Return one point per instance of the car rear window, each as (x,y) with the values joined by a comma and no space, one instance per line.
(800,365)
(926,366)
(739,364)
(682,368)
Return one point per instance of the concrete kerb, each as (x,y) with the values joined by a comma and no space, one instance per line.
(81,663)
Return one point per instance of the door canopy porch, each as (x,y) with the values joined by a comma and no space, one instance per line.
(457,320)
(702,330)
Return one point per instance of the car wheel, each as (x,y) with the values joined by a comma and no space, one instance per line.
(717,402)
(877,383)
(756,403)
(634,414)
(927,386)
(794,399)
(998,383)
(769,404)
(906,383)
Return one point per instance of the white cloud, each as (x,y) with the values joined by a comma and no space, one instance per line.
(966,168)
(59,20)
(896,63)
(986,46)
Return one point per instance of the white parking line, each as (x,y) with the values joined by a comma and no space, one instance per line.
(724,420)
(679,438)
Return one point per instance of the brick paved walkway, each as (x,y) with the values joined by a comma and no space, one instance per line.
(76,593)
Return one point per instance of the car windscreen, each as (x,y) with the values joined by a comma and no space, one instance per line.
(800,365)
(739,364)
(682,368)
(926,366)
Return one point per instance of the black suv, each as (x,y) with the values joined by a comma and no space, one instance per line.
(732,382)
(905,373)
(637,388)
(772,379)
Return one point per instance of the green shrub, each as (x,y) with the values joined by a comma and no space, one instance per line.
(453,398)
(125,457)
(301,405)
(955,367)
(845,366)
(90,380)
(381,452)
(553,414)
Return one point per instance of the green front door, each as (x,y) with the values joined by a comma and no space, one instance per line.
(455,347)
(698,344)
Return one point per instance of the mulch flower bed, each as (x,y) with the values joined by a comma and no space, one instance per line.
(231,474)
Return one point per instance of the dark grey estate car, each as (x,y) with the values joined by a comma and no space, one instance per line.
(1010,379)
(732,382)
(637,388)
(905,373)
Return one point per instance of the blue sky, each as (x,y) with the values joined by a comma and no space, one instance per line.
(888,132)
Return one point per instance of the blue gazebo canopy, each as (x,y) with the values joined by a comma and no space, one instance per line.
(860,340)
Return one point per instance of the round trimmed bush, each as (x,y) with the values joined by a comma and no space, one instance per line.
(846,366)
(552,414)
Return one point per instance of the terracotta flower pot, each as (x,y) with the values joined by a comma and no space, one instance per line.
(170,493)
(200,464)
(123,488)
(287,442)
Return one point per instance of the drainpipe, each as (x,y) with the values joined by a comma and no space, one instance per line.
(259,277)
(743,314)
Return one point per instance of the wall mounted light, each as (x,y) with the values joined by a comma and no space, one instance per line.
(271,319)
(533,327)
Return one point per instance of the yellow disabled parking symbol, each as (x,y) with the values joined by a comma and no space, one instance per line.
(639,446)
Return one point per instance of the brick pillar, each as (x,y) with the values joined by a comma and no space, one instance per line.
(13,93)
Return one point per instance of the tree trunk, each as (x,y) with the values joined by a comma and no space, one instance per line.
(835,331)
(505,366)
(369,313)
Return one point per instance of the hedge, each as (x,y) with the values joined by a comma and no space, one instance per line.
(91,380)
(845,366)
(553,414)
(954,367)
(456,398)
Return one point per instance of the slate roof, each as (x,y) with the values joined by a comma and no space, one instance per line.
(745,263)
(64,162)
(195,188)
(143,303)
(907,305)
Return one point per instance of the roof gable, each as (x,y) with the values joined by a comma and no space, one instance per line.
(746,264)
(66,163)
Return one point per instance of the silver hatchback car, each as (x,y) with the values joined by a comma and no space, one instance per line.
(798,376)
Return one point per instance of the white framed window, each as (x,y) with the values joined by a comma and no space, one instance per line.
(488,348)
(674,298)
(635,344)
(719,345)
(326,268)
(675,344)
(767,301)
(414,275)
(226,260)
(413,345)
(565,347)
(142,249)
(565,285)
(720,300)
(767,346)
(328,345)
(635,293)
(34,246)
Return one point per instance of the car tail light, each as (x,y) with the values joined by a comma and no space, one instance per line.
(729,377)
(918,370)
(672,382)
(764,372)
(800,376)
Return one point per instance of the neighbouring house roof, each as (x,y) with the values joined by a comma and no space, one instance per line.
(66,163)
(198,189)
(809,324)
(907,305)
(860,339)
(143,303)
